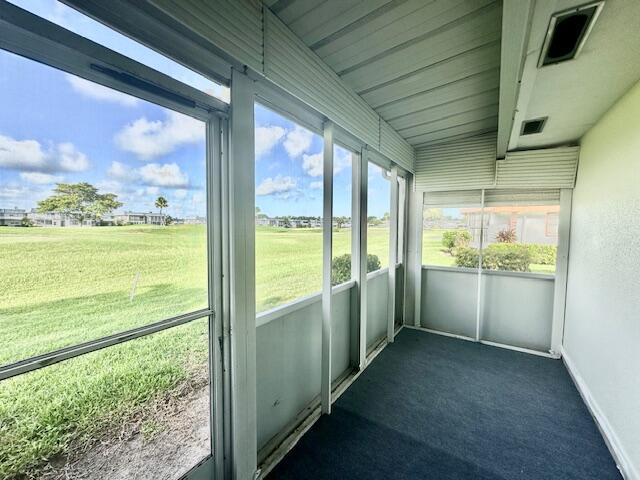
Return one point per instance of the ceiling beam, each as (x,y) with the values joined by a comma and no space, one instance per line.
(516,24)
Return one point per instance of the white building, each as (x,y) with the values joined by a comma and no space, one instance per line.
(11,217)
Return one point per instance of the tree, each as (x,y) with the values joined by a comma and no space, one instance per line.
(432,214)
(161,203)
(373,221)
(80,201)
(286,222)
(340,221)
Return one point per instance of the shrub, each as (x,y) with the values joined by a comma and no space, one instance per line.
(467,257)
(508,235)
(341,267)
(26,222)
(499,256)
(543,254)
(453,239)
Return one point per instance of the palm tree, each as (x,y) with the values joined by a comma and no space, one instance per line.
(161,203)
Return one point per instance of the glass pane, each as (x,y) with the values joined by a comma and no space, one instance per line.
(104,195)
(342,198)
(66,17)
(288,210)
(450,237)
(379,206)
(136,410)
(521,238)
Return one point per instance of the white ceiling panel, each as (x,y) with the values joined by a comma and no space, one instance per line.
(430,68)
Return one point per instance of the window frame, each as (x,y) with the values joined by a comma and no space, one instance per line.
(30,36)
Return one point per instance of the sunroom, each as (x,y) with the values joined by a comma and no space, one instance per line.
(318,239)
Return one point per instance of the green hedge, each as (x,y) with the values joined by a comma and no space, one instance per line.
(341,267)
(498,256)
(514,257)
(543,254)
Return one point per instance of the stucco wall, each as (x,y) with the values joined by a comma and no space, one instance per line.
(602,330)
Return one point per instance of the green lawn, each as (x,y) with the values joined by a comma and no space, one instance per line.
(65,286)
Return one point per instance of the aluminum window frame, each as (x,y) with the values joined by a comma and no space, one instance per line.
(27,35)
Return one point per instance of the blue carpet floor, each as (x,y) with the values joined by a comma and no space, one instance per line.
(432,407)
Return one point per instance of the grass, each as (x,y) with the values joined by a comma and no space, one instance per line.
(66,286)
(433,253)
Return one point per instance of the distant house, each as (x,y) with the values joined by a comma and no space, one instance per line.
(11,217)
(139,218)
(289,222)
(195,220)
(57,219)
(532,223)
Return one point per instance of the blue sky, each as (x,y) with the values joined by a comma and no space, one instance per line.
(55,127)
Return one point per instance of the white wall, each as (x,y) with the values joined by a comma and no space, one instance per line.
(602,330)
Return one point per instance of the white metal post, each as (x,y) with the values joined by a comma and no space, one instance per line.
(362,192)
(393,254)
(242,277)
(214,239)
(479,289)
(226,300)
(562,266)
(355,259)
(413,289)
(327,256)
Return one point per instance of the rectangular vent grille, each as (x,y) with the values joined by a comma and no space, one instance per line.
(530,127)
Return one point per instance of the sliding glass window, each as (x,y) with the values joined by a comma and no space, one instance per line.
(451,234)
(342,208)
(378,210)
(289,163)
(105,314)
(521,237)
(107,196)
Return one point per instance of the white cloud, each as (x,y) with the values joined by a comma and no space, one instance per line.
(298,141)
(149,139)
(99,92)
(152,190)
(315,185)
(180,193)
(163,175)
(341,161)
(123,172)
(28,155)
(40,178)
(71,160)
(277,185)
(21,154)
(22,195)
(312,164)
(267,138)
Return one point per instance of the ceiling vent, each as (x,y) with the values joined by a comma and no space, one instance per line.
(530,127)
(567,32)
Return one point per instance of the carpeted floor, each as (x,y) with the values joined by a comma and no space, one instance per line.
(432,407)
